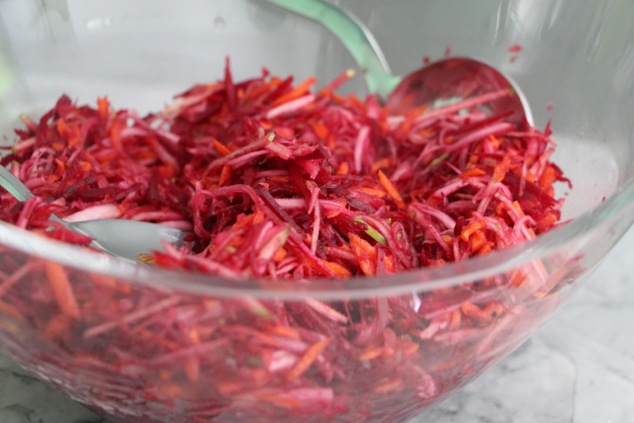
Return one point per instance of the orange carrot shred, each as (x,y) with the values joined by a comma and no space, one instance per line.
(320,130)
(285,331)
(337,269)
(225,175)
(391,190)
(343,168)
(221,148)
(366,254)
(371,191)
(62,289)
(104,106)
(297,92)
(308,359)
(381,164)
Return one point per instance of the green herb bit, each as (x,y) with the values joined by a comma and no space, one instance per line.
(371,232)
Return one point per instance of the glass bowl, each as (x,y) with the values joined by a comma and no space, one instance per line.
(576,67)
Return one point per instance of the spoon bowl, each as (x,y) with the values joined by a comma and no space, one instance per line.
(444,82)
(456,79)
(122,238)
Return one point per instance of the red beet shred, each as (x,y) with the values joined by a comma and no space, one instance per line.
(279,182)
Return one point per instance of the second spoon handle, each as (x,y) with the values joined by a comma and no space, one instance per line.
(12,184)
(16,188)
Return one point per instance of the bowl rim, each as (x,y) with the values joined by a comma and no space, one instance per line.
(419,280)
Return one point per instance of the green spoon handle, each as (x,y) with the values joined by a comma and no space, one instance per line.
(355,37)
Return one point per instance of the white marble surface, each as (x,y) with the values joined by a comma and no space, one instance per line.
(579,368)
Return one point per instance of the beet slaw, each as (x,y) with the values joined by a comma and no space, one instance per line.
(279,182)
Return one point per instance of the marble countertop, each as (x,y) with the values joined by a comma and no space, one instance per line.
(579,368)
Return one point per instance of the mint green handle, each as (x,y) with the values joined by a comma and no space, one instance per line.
(353,35)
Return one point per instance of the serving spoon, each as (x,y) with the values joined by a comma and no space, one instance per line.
(118,237)
(443,82)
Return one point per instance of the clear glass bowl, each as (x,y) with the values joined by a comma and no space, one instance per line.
(577,56)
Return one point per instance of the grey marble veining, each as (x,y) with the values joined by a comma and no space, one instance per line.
(579,368)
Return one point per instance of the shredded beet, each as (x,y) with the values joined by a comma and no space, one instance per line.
(280,183)
(277,182)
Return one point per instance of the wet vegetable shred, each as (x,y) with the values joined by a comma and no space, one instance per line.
(282,182)
(278,182)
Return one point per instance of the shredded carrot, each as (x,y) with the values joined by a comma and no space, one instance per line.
(308,358)
(548,176)
(371,191)
(249,220)
(285,331)
(448,239)
(57,327)
(62,127)
(266,125)
(470,229)
(336,98)
(225,175)
(410,347)
(518,278)
(104,107)
(194,335)
(389,263)
(320,130)
(518,208)
(62,289)
(280,400)
(330,142)
(388,386)
(343,169)
(221,148)
(494,309)
(371,353)
(337,82)
(355,102)
(474,171)
(366,254)
(455,318)
(391,190)
(296,92)
(285,132)
(280,179)
(469,308)
(500,169)
(258,90)
(337,269)
(495,142)
(280,254)
(486,248)
(548,220)
(383,163)
(478,239)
